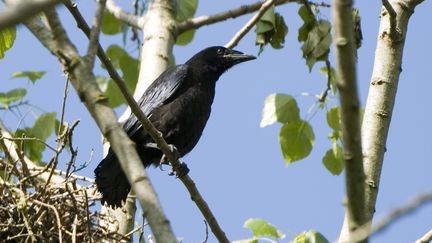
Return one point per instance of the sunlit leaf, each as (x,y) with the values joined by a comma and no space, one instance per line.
(334,118)
(129,67)
(110,24)
(260,227)
(186,9)
(185,38)
(14,95)
(7,38)
(44,125)
(279,107)
(33,76)
(333,160)
(42,129)
(296,140)
(311,236)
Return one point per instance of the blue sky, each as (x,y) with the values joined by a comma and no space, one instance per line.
(238,166)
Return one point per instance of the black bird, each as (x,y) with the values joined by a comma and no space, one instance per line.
(178,103)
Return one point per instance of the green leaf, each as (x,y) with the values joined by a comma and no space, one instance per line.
(44,126)
(279,107)
(260,227)
(114,95)
(296,140)
(12,96)
(311,236)
(271,28)
(110,24)
(317,40)
(32,75)
(281,30)
(334,119)
(7,38)
(130,69)
(267,22)
(308,23)
(115,53)
(186,9)
(333,160)
(42,129)
(185,37)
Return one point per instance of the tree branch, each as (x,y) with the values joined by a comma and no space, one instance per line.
(85,84)
(198,22)
(248,26)
(94,33)
(425,238)
(17,13)
(120,14)
(399,212)
(350,112)
(392,17)
(380,103)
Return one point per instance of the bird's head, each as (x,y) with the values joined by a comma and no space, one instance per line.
(218,59)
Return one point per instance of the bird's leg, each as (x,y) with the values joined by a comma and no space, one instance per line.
(179,170)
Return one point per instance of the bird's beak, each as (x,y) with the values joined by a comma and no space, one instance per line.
(237,57)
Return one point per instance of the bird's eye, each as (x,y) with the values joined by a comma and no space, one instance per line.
(219,51)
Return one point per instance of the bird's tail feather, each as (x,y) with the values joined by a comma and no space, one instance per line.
(111,181)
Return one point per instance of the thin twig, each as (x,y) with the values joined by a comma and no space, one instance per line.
(17,13)
(324,94)
(404,210)
(30,139)
(74,228)
(198,22)
(56,215)
(251,23)
(94,33)
(87,214)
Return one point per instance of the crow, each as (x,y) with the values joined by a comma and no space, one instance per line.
(178,103)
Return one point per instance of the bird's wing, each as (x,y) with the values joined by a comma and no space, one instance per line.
(157,94)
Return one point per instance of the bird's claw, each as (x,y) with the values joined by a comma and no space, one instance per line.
(179,170)
(174,151)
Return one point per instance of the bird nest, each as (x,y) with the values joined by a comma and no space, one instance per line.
(35,211)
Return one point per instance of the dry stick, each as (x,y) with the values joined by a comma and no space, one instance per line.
(17,13)
(59,225)
(198,22)
(248,26)
(350,113)
(154,133)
